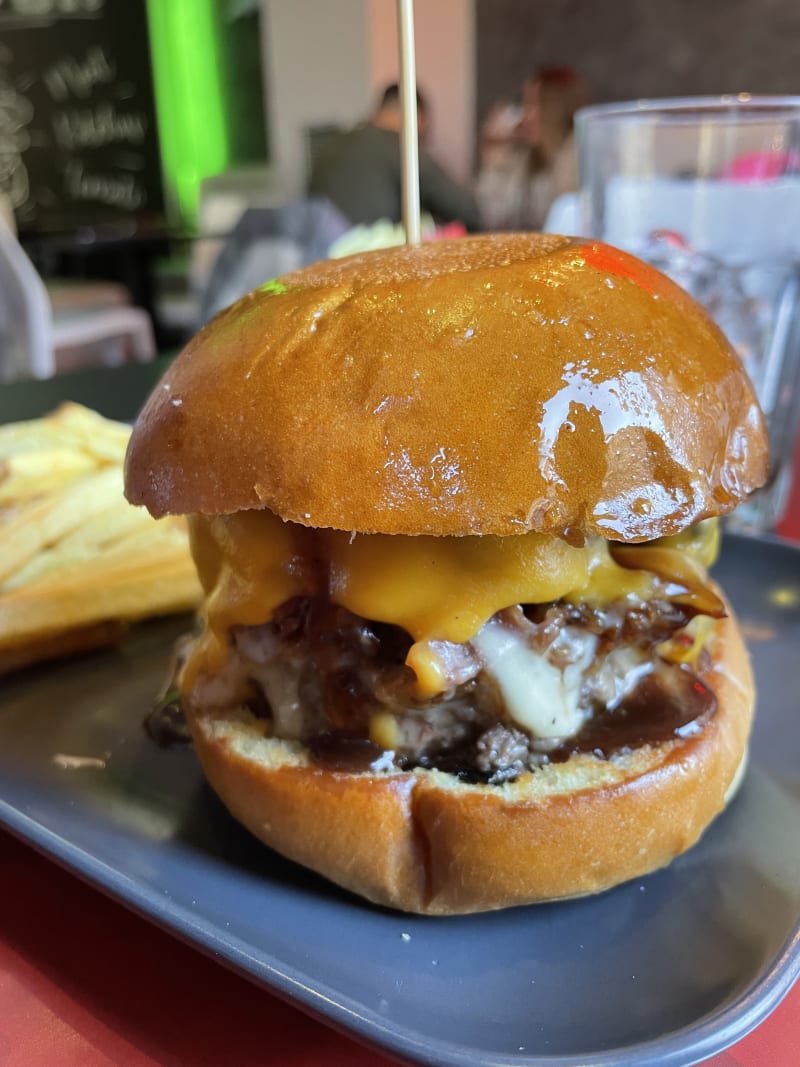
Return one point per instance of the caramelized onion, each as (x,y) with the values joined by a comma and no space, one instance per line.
(676,567)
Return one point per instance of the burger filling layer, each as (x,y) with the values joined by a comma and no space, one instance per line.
(480,656)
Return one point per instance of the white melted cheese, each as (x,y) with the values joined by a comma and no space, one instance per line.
(280,684)
(542,698)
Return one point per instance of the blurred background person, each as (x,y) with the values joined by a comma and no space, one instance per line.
(359,171)
(528,155)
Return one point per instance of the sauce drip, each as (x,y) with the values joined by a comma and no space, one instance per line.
(338,752)
(669,703)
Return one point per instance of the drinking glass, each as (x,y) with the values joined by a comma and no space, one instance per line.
(707,189)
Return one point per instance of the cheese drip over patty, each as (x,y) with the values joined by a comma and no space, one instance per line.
(441,590)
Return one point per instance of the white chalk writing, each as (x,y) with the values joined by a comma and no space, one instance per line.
(15,113)
(49,8)
(116,190)
(92,127)
(77,77)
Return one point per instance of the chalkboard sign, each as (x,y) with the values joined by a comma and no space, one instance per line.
(78,136)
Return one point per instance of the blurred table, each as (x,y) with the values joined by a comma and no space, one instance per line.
(123,252)
(86,983)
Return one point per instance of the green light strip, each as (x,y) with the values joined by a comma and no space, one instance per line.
(183,42)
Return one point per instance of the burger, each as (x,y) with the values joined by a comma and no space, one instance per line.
(453,509)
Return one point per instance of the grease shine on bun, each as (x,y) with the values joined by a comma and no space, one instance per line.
(447,505)
(482,386)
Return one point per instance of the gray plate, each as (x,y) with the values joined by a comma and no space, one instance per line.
(666,970)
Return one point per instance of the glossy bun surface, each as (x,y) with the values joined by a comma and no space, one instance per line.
(493,384)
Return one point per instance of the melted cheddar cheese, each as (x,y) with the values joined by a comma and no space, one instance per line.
(436,588)
(445,588)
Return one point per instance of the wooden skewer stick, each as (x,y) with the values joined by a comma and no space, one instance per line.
(409,133)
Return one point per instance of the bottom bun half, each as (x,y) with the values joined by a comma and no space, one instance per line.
(423,841)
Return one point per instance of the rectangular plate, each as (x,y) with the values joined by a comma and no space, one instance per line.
(665,970)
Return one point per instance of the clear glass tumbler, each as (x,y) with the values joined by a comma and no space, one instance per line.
(707,189)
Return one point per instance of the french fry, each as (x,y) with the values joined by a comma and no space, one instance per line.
(101,438)
(35,472)
(77,562)
(44,520)
(126,589)
(99,532)
(19,437)
(70,427)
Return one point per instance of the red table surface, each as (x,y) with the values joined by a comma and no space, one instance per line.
(85,983)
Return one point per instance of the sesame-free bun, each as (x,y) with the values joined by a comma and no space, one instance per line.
(422,841)
(493,384)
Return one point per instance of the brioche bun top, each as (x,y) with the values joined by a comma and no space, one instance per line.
(493,384)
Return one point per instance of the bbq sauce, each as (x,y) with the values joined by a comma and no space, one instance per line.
(339,752)
(458,761)
(667,704)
